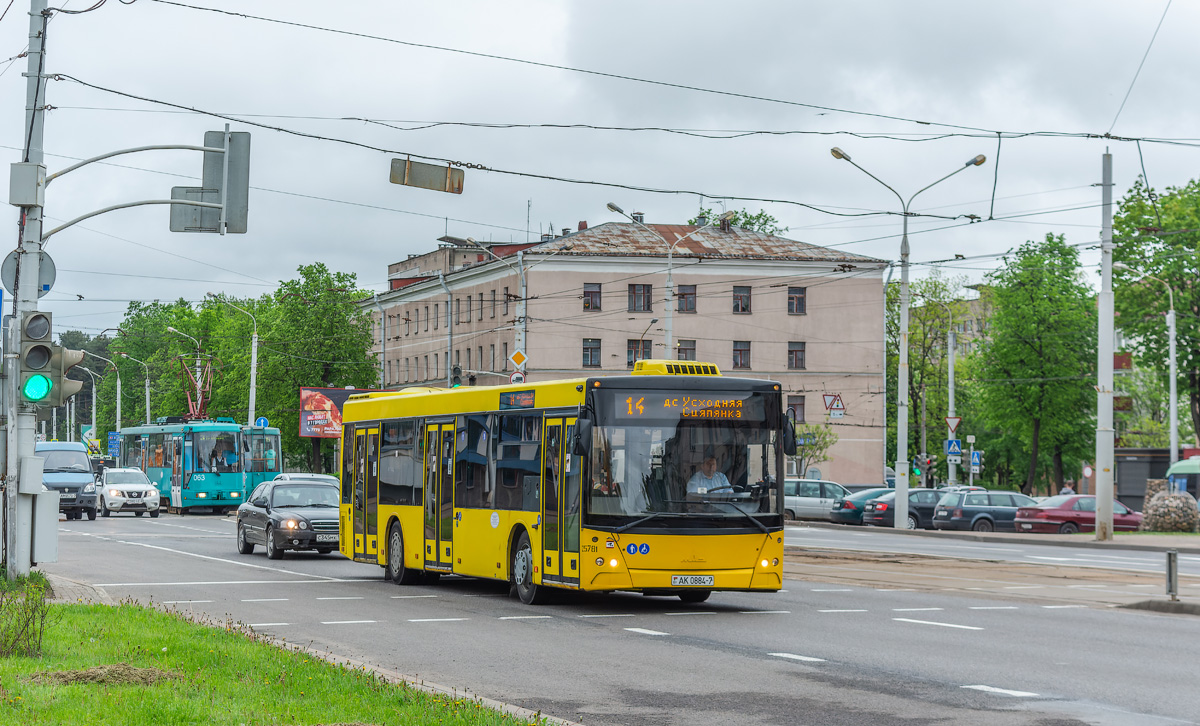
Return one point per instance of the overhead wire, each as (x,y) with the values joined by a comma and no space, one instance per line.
(1138,72)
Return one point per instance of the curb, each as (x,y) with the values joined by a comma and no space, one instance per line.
(1174,607)
(1015,537)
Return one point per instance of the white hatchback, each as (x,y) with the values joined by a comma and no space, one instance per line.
(127,490)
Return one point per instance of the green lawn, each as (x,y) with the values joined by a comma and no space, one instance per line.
(133,666)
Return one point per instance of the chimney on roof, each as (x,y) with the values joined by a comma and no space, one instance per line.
(725,225)
(547,236)
(582,225)
(638,217)
(701,219)
(566,231)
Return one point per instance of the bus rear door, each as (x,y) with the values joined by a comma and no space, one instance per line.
(560,503)
(439,496)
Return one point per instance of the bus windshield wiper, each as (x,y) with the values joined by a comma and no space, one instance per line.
(750,516)
(636,522)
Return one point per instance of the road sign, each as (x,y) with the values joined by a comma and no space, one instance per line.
(833,404)
(47,272)
(976,458)
(261,421)
(971,438)
(952,423)
(438,177)
(953,447)
(829,399)
(953,459)
(114,443)
(518,359)
(517,377)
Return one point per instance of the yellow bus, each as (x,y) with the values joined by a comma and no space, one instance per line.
(667,481)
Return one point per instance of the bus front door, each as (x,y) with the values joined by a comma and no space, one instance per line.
(366,492)
(560,503)
(439,497)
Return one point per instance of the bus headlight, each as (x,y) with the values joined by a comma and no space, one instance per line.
(612,563)
(765,563)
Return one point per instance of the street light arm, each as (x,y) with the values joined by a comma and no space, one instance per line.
(221,298)
(1170,292)
(497,257)
(893,191)
(939,181)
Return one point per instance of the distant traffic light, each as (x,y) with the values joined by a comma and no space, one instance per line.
(456,376)
(62,360)
(36,383)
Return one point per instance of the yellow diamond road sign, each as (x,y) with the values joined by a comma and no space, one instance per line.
(518,358)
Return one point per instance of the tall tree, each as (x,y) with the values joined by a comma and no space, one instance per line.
(759,221)
(1038,362)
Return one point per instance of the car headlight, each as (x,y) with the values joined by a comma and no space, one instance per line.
(303,524)
(89,488)
(114,492)
(291,524)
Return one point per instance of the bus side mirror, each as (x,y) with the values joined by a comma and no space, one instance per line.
(583,435)
(789,433)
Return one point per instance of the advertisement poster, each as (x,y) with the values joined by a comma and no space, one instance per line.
(321,411)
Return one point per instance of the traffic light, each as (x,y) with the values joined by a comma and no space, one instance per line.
(62,360)
(456,376)
(36,383)
(919,463)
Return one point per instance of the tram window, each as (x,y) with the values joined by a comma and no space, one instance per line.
(131,451)
(216,451)
(156,451)
(518,461)
(399,465)
(472,489)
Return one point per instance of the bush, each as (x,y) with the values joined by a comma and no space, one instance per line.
(24,614)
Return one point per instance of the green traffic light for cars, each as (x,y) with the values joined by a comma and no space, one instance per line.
(36,387)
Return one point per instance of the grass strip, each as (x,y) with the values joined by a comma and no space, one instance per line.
(137,666)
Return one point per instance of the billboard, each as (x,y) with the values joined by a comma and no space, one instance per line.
(321,411)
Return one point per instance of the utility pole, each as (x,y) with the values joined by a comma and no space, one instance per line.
(924,441)
(1104,367)
(951,467)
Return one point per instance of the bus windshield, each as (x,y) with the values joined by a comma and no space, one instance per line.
(711,459)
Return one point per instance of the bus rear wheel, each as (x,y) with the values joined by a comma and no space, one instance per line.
(522,573)
(395,570)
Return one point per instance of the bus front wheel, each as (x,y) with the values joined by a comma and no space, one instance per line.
(395,570)
(522,573)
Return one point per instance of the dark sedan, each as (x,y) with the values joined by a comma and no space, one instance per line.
(1071,513)
(289,515)
(979,511)
(850,509)
(881,512)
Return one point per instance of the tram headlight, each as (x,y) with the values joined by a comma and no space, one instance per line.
(235,495)
(201,495)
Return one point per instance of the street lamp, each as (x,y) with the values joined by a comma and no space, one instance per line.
(147,368)
(1174,406)
(118,372)
(94,381)
(253,353)
(902,463)
(667,333)
(180,332)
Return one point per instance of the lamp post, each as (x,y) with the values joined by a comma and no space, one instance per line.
(118,372)
(670,302)
(180,332)
(147,369)
(94,381)
(902,462)
(254,352)
(1174,405)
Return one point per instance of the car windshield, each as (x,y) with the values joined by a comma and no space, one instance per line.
(869,494)
(1056,501)
(949,499)
(304,495)
(126,477)
(66,461)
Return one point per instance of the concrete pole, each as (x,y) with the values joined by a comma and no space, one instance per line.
(951,469)
(522,310)
(670,304)
(902,463)
(253,372)
(1104,368)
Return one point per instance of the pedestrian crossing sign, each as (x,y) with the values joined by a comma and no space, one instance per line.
(953,447)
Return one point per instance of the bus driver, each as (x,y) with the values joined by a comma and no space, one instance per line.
(707,478)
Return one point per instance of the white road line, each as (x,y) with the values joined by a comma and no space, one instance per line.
(267,625)
(339,598)
(1062,607)
(436,620)
(181,602)
(643,631)
(930,622)
(410,597)
(765,612)
(525,617)
(895,589)
(915,610)
(222,582)
(345,622)
(694,612)
(615,615)
(993,607)
(225,560)
(1003,691)
(839,589)
(842,611)
(793,656)
(1024,587)
(267,599)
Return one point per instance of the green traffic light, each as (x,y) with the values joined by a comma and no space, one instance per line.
(36,387)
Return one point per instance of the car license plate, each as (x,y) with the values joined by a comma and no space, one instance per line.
(66,495)
(1026,526)
(691,580)
(327,538)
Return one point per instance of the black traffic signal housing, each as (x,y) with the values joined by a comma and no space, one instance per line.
(62,360)
(919,463)
(36,384)
(456,376)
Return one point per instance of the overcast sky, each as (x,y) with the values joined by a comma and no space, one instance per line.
(1016,66)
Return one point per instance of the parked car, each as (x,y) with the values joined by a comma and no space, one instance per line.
(810,498)
(981,511)
(127,490)
(304,476)
(849,510)
(962,488)
(1071,513)
(289,514)
(881,511)
(66,468)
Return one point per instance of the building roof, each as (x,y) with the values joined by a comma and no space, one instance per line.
(625,239)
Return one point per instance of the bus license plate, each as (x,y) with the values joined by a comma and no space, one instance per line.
(327,538)
(691,580)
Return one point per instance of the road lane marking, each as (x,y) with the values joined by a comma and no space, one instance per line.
(831,589)
(613,615)
(993,607)
(793,656)
(345,622)
(694,612)
(1062,607)
(267,625)
(525,617)
(895,589)
(436,620)
(644,631)
(915,610)
(220,582)
(181,602)
(340,598)
(410,597)
(1024,587)
(765,612)
(267,599)
(842,611)
(931,622)
(225,560)
(1003,691)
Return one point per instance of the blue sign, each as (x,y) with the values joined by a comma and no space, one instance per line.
(114,443)
(953,447)
(644,549)
(631,549)
(976,459)
(261,421)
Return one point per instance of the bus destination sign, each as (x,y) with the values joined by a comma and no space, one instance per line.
(734,407)
(516,399)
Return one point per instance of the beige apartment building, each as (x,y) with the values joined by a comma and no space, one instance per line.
(595,301)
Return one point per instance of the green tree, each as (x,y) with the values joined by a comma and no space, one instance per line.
(1039,360)
(759,222)
(813,442)
(1161,238)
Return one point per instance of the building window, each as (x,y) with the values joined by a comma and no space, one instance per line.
(591,352)
(388,379)
(457,311)
(741,354)
(637,350)
(797,301)
(481,306)
(506,303)
(741,300)
(687,298)
(437,368)
(427,368)
(468,319)
(493,303)
(796,404)
(407,322)
(492,349)
(436,316)
(686,350)
(640,298)
(479,358)
(591,296)
(468,368)
(505,361)
(795,356)
(407,371)
(426,318)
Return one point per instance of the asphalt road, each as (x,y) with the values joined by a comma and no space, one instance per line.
(821,652)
